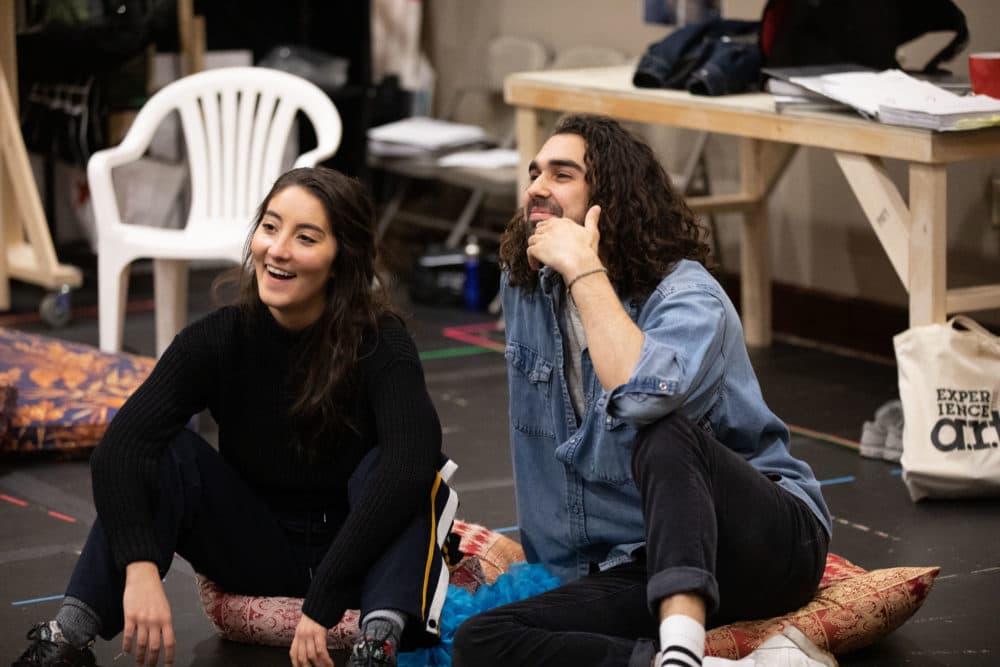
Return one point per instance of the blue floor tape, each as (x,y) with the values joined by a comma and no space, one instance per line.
(838,480)
(34,600)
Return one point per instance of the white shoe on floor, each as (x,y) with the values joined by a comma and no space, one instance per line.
(791,648)
(873,436)
(890,418)
(883,437)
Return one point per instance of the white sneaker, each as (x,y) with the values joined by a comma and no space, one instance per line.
(883,437)
(791,648)
(890,418)
(873,437)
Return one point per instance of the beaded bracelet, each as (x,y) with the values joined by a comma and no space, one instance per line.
(569,286)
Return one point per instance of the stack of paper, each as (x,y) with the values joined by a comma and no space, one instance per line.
(420,135)
(789,96)
(784,103)
(943,114)
(895,97)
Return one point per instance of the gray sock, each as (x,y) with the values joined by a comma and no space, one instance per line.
(397,618)
(384,624)
(78,622)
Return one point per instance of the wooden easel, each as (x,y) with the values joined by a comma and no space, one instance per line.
(191,29)
(27,252)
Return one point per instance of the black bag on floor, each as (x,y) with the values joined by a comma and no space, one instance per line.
(440,274)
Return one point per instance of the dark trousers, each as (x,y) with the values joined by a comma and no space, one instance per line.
(207,514)
(715,526)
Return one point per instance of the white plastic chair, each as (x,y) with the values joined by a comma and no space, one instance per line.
(236,123)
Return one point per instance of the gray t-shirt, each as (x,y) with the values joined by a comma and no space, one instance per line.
(574,343)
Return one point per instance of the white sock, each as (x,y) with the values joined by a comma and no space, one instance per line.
(682,642)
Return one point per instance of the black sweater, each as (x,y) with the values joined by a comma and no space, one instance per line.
(238,367)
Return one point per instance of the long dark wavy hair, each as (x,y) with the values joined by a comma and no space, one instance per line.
(645,225)
(356,296)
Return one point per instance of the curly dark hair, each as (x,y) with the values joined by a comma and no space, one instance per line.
(355,298)
(645,226)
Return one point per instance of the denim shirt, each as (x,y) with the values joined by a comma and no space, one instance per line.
(577,504)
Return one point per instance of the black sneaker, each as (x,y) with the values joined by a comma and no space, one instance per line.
(48,648)
(376,648)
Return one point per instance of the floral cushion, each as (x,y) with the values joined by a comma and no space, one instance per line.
(852,608)
(272,620)
(67,393)
(265,620)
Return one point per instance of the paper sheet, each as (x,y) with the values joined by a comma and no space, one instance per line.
(427,133)
(494,158)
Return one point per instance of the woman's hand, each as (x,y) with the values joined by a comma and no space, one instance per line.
(309,645)
(147,615)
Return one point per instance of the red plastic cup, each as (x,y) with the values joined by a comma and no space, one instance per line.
(984,73)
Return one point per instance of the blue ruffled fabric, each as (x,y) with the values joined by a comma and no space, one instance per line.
(522,581)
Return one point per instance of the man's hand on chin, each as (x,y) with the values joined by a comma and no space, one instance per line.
(565,245)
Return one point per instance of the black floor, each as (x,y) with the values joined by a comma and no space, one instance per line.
(825,396)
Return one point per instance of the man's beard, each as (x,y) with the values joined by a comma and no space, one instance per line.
(543,203)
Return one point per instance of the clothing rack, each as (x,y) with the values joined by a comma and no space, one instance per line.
(26,249)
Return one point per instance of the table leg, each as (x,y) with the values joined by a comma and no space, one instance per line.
(928,280)
(883,205)
(755,278)
(755,259)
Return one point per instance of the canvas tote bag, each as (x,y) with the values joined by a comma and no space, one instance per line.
(949,381)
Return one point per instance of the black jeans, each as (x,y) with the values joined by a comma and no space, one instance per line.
(715,526)
(207,514)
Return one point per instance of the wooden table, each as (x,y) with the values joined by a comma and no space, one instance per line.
(912,233)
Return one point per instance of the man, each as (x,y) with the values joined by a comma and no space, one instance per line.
(650,474)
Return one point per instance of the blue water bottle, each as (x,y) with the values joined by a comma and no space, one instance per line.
(471,273)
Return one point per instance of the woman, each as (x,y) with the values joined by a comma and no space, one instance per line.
(329,449)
